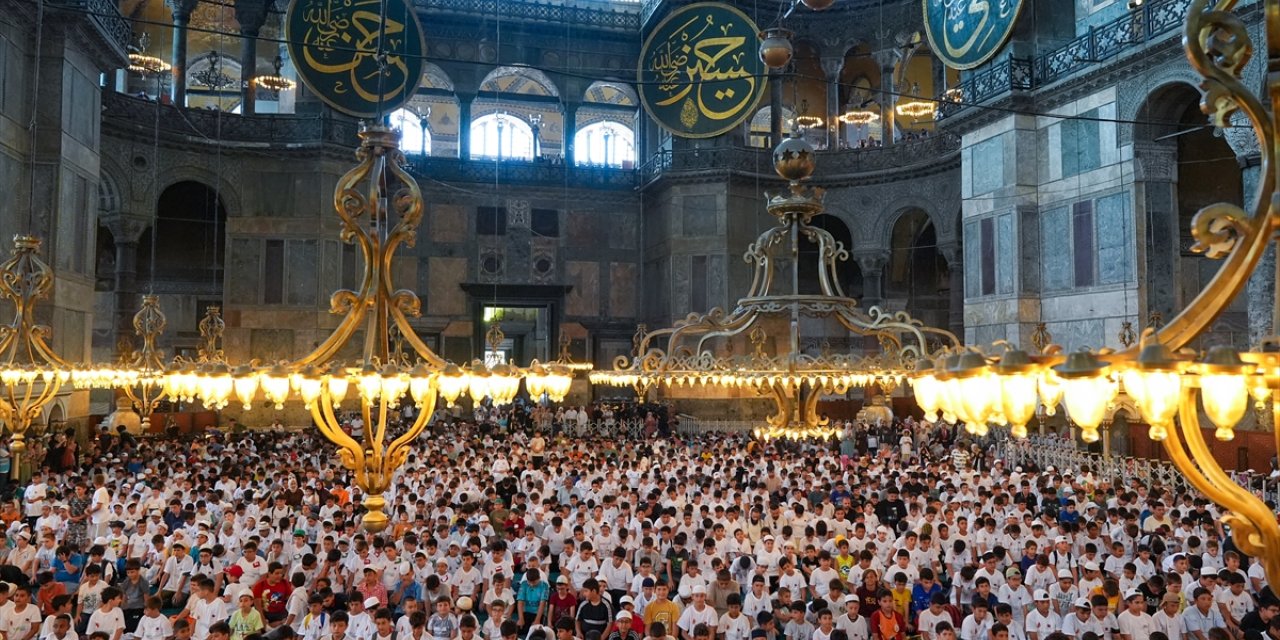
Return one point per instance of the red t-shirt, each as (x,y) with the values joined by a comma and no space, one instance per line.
(888,626)
(274,597)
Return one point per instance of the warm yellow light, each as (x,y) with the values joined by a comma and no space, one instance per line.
(368,384)
(927,394)
(1087,434)
(1086,399)
(1160,392)
(1157,433)
(275,386)
(1050,391)
(453,381)
(422,384)
(1018,400)
(338,384)
(245,385)
(1225,398)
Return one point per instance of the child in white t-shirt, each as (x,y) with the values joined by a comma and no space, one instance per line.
(109,617)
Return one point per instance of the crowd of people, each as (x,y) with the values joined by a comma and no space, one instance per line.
(515,531)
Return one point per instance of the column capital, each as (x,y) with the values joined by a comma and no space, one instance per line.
(125,228)
(887,59)
(181,9)
(871,261)
(252,14)
(832,66)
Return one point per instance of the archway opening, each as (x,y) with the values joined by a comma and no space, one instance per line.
(190,239)
(1187,164)
(917,277)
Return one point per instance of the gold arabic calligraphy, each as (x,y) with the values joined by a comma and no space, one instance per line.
(341,39)
(706,60)
(960,14)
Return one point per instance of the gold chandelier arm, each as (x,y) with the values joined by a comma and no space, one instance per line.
(1218,47)
(349,451)
(784,405)
(761,254)
(419,347)
(734,325)
(399,449)
(1254,527)
(829,253)
(810,418)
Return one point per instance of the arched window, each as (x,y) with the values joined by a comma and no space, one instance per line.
(501,136)
(415,137)
(608,143)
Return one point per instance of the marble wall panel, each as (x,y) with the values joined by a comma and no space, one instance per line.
(444,296)
(584,298)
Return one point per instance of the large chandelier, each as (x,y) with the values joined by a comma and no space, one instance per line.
(734,351)
(1173,387)
(380,207)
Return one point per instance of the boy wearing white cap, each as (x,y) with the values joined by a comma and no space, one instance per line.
(1041,619)
(697,613)
(1134,622)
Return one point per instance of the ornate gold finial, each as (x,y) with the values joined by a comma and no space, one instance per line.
(563,355)
(211,329)
(494,336)
(638,338)
(758,338)
(1041,337)
(1127,335)
(1155,320)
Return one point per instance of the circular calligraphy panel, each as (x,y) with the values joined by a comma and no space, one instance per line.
(966,33)
(699,72)
(334,45)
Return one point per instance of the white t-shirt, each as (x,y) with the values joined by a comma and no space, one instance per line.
(157,628)
(691,618)
(107,622)
(1042,624)
(734,628)
(1137,627)
(101,505)
(17,624)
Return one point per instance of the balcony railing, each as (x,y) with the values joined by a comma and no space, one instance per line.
(843,162)
(608,16)
(1154,20)
(106,15)
(212,126)
(547,174)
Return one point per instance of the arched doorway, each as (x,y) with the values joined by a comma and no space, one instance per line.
(191,226)
(847,273)
(917,277)
(1183,165)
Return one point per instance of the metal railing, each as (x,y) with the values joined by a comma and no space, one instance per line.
(106,15)
(608,16)
(1062,454)
(550,174)
(832,162)
(214,126)
(1153,20)
(694,426)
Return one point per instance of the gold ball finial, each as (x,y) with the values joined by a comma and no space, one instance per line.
(794,159)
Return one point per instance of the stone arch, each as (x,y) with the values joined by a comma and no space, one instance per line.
(1132,95)
(433,77)
(882,226)
(610,92)
(228,194)
(108,194)
(55,414)
(520,80)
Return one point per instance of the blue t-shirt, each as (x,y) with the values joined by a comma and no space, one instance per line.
(60,572)
(531,595)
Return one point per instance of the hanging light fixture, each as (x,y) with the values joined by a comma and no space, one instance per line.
(275,82)
(775,47)
(1173,393)
(860,117)
(734,351)
(142,63)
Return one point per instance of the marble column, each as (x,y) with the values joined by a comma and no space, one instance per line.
(872,264)
(888,61)
(181,12)
(464,125)
(251,15)
(126,230)
(1155,176)
(953,253)
(832,67)
(570,129)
